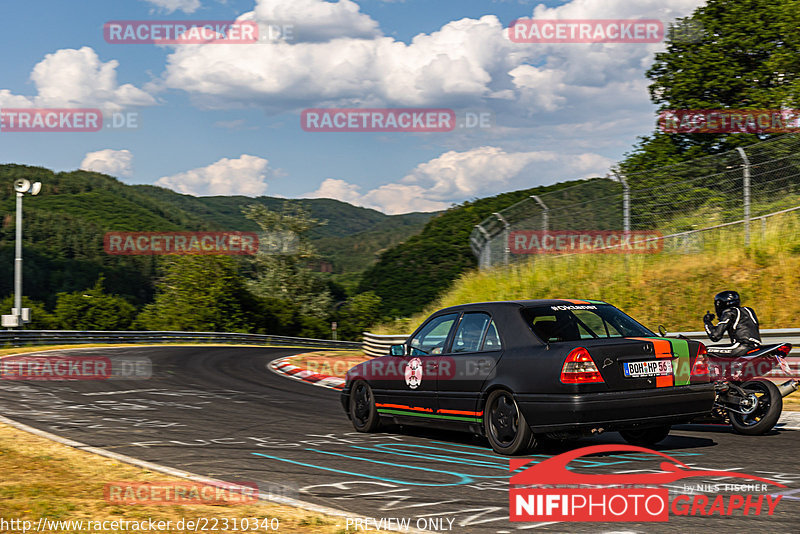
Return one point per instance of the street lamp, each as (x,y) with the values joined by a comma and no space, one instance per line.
(20,315)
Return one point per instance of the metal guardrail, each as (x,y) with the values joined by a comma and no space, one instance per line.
(768,337)
(18,338)
(378,345)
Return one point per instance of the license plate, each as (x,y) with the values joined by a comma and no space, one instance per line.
(649,368)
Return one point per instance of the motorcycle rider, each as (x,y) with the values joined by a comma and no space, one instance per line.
(740,322)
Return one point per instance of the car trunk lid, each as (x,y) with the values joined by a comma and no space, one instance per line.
(642,362)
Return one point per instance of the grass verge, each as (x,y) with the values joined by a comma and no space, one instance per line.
(673,288)
(46,479)
(22,350)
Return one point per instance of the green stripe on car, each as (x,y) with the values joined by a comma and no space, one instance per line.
(434,416)
(683,366)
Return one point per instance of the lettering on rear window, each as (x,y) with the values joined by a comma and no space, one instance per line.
(574,307)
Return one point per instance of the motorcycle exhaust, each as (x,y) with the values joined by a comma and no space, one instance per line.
(788,387)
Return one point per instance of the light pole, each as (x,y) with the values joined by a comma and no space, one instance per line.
(20,315)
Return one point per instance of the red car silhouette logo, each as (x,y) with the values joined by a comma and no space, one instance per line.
(553,471)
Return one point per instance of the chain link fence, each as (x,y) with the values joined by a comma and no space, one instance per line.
(662,210)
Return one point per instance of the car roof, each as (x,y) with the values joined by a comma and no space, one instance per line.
(521,304)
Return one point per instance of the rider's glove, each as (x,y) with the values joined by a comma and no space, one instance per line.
(708,317)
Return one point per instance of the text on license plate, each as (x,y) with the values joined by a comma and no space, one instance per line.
(648,368)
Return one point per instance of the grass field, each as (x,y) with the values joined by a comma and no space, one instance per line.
(672,288)
(46,479)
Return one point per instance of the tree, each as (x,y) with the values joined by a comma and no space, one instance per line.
(729,54)
(281,265)
(93,309)
(201,293)
(357,314)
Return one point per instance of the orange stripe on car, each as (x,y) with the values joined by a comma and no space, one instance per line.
(430,410)
(663,350)
(403,407)
(460,412)
(573,301)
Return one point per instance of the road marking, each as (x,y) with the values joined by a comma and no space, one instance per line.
(789,421)
(117,392)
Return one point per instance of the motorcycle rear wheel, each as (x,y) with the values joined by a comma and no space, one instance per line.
(766,414)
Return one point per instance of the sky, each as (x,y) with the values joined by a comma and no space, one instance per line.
(225,119)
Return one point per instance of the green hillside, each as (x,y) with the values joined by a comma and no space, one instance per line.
(672,288)
(65,224)
(410,275)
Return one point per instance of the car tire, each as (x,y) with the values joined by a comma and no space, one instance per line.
(646,436)
(767,413)
(504,425)
(363,412)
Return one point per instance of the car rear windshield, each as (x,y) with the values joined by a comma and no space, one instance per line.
(554,324)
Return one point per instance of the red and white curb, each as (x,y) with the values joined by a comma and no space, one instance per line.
(282,366)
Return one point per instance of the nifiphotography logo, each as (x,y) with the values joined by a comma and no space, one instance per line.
(548,491)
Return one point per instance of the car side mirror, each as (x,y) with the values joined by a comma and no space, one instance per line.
(662,330)
(398,350)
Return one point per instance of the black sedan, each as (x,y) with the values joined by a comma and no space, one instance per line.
(520,371)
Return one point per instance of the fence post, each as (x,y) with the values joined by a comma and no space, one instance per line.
(626,202)
(485,259)
(545,214)
(746,191)
(506,235)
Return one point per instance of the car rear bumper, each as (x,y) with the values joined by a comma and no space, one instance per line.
(617,409)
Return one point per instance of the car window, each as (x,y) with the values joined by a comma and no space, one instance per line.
(591,325)
(433,335)
(554,324)
(470,332)
(492,340)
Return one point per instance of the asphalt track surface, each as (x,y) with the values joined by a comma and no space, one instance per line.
(219,412)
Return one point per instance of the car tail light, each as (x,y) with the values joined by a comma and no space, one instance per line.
(579,368)
(700,367)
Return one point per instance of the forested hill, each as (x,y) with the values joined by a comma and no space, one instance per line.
(412,274)
(64,228)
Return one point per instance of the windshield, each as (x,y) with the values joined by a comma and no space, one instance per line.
(554,324)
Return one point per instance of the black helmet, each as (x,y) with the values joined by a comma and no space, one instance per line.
(725,300)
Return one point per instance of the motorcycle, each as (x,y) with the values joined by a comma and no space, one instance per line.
(745,399)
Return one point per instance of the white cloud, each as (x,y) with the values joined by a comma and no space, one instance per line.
(187,6)
(342,58)
(347,63)
(246,175)
(457,176)
(109,161)
(77,78)
(316,21)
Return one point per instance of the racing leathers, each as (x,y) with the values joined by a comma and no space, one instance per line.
(741,324)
